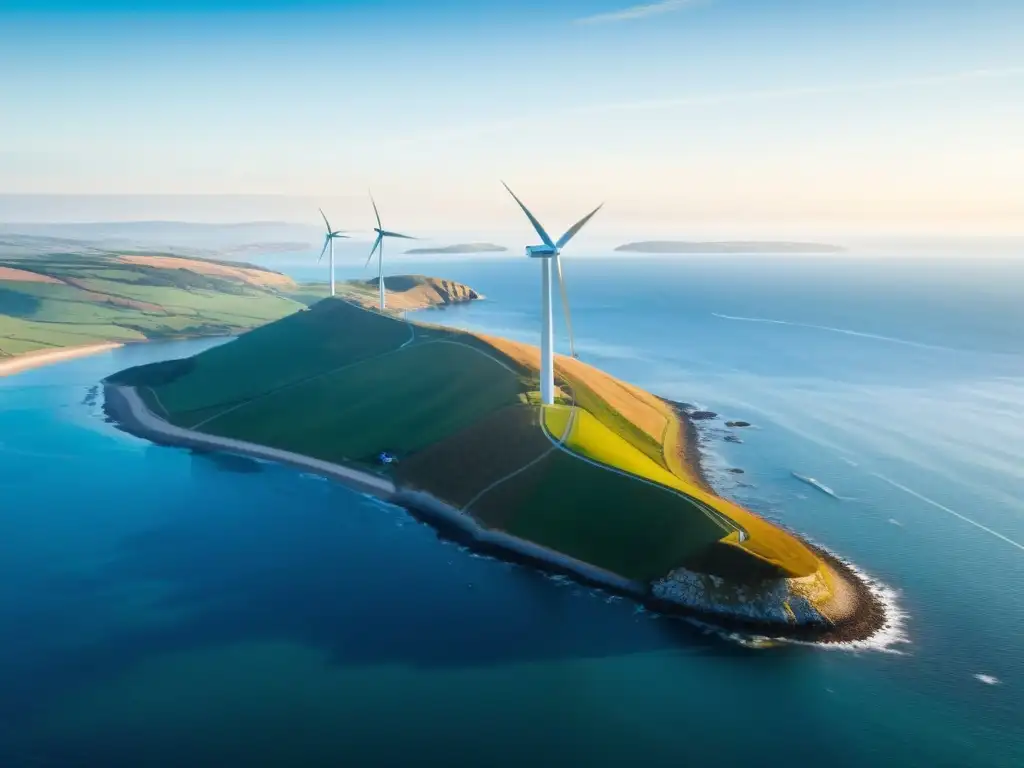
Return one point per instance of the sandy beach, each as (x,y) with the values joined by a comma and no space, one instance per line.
(30,360)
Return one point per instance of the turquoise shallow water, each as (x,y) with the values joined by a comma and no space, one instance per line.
(163,608)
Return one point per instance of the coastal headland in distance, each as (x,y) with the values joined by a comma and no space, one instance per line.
(60,305)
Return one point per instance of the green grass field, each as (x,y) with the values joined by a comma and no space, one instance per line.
(90,298)
(631,528)
(337,382)
(399,402)
(329,335)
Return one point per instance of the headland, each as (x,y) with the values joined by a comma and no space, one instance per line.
(606,486)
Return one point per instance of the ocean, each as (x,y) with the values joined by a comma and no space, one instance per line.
(163,608)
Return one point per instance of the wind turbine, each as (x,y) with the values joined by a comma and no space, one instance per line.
(548,252)
(378,248)
(329,242)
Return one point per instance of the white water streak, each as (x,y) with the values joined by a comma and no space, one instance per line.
(844,331)
(953,512)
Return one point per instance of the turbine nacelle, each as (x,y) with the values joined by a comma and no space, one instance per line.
(551,250)
(541,251)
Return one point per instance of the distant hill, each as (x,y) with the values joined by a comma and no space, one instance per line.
(728,246)
(461,248)
(71,299)
(198,239)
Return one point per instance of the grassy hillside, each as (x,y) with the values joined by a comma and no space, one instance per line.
(404,292)
(599,477)
(72,299)
(61,300)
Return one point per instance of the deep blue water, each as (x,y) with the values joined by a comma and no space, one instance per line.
(162,608)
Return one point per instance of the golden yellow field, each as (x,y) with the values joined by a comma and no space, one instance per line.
(593,439)
(254,276)
(23,275)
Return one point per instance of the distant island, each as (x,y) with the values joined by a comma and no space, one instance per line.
(728,246)
(461,248)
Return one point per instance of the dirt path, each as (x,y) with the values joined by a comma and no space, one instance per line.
(29,360)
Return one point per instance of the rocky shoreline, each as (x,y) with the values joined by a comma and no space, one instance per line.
(864,613)
(124,409)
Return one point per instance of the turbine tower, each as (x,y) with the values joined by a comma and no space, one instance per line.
(548,252)
(329,242)
(378,248)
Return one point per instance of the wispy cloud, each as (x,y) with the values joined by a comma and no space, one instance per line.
(773,94)
(639,11)
(795,93)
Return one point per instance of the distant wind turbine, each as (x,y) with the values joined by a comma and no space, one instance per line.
(329,243)
(548,252)
(378,248)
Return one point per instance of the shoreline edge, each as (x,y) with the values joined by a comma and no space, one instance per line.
(127,411)
(10,366)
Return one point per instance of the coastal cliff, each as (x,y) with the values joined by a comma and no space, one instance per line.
(407,293)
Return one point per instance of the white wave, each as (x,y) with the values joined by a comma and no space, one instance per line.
(953,512)
(816,484)
(844,331)
(987,679)
(891,634)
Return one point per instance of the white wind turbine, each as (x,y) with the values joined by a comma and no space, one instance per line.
(329,242)
(548,252)
(378,248)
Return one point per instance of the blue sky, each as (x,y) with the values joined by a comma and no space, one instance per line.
(711,116)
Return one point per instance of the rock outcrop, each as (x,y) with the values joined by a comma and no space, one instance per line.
(702,415)
(777,601)
(411,292)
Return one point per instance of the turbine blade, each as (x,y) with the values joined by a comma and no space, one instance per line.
(565,306)
(340,234)
(533,220)
(376,212)
(325,219)
(576,227)
(396,234)
(327,241)
(376,243)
